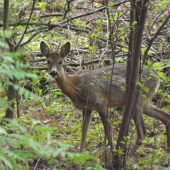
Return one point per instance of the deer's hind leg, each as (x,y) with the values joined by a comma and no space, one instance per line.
(139,122)
(85,126)
(156,113)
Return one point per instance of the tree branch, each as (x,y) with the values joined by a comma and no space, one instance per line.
(26,25)
(152,40)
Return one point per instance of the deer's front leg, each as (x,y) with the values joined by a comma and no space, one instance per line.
(107,127)
(85,126)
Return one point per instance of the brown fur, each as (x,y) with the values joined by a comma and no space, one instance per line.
(68,85)
(90,90)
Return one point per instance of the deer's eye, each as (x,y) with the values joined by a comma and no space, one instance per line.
(60,62)
(48,62)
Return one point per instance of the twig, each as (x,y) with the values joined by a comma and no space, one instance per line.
(51,15)
(26,42)
(67,8)
(155,36)
(26,25)
(158,16)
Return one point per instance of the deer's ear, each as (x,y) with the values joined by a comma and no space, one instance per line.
(65,49)
(44,48)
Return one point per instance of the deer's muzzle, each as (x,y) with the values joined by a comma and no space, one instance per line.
(53,73)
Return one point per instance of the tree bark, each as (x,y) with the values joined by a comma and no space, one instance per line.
(132,87)
(11,90)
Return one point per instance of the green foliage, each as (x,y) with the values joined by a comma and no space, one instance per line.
(20,147)
(119,151)
(82,23)
(90,30)
(146,89)
(111,4)
(91,48)
(12,67)
(42,5)
(157,67)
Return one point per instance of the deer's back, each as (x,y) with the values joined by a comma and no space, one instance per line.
(96,87)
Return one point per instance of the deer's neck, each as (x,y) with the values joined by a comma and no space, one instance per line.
(68,84)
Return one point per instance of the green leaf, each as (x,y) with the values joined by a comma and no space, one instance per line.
(84,27)
(20,26)
(92,35)
(91,48)
(120,14)
(122,43)
(35,18)
(97,35)
(134,23)
(57,152)
(125,49)
(69,113)
(6,161)
(112,4)
(2,131)
(104,77)
(98,29)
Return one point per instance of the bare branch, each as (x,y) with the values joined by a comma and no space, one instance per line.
(26,25)
(152,40)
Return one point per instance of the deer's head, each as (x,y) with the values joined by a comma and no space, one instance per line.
(54,59)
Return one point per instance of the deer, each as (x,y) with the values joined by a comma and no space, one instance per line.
(90,90)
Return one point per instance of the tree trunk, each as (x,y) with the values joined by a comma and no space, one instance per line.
(132,88)
(11,90)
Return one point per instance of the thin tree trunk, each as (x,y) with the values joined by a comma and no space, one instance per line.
(11,90)
(131,94)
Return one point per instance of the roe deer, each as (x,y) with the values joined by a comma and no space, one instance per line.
(90,90)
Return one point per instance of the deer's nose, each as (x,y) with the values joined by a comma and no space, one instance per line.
(53,73)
